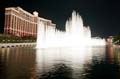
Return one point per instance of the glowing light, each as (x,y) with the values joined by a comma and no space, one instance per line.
(35,14)
(76,35)
(74,57)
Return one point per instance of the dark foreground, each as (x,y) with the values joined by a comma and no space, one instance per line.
(60,63)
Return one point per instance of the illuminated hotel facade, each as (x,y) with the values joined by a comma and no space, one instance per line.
(19,22)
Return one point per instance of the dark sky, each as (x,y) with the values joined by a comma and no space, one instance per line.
(101,15)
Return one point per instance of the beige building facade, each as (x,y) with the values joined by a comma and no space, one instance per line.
(19,22)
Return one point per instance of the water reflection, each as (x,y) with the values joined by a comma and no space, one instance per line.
(59,71)
(117,55)
(75,58)
(106,68)
(60,63)
(103,70)
(17,63)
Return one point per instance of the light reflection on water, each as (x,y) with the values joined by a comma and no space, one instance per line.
(60,63)
(78,59)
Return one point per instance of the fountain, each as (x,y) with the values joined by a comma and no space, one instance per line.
(76,35)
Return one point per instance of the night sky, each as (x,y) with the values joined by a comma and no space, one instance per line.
(103,16)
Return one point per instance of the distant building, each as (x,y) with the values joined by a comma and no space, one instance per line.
(110,39)
(19,22)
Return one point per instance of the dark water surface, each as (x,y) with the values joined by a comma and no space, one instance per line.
(60,63)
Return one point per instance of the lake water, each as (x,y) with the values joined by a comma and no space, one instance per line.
(101,62)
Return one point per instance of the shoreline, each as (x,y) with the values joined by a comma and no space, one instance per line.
(6,45)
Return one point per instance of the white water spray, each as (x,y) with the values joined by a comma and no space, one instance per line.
(76,34)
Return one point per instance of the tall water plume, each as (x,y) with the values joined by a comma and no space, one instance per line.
(76,34)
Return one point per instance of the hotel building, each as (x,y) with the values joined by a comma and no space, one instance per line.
(19,22)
